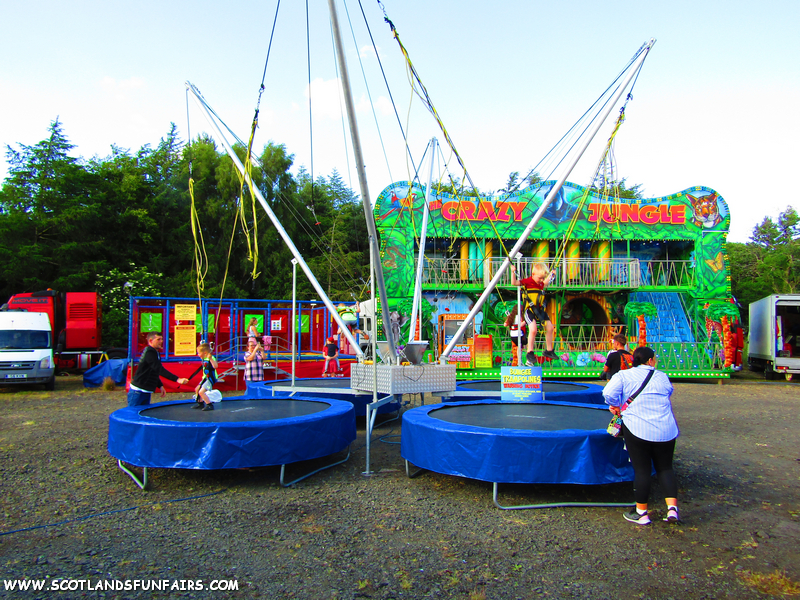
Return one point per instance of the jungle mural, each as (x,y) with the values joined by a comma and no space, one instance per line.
(667,253)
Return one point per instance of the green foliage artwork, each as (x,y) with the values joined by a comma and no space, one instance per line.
(698,215)
(673,245)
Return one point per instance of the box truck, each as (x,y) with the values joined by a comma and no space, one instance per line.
(774,337)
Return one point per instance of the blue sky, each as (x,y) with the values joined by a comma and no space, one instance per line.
(716,103)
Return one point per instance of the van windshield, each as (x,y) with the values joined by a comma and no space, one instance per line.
(22,339)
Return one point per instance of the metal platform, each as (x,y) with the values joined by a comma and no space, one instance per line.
(403,379)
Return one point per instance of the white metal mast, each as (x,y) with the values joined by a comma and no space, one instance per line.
(550,196)
(279,228)
(362,181)
(417,300)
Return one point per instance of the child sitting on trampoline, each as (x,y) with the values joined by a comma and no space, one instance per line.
(331,354)
(204,394)
(536,309)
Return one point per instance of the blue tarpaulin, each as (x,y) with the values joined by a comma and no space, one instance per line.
(116,368)
(238,433)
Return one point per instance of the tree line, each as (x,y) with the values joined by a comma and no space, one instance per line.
(122,224)
(73,224)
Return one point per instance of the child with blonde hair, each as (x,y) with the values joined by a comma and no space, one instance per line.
(205,394)
(536,308)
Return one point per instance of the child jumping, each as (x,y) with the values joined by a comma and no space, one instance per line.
(536,309)
(204,394)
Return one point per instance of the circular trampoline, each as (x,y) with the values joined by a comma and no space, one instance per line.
(238,433)
(554,391)
(334,388)
(515,442)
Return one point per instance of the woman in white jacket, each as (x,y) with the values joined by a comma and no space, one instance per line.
(649,429)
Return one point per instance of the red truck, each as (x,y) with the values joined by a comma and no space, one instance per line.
(76,322)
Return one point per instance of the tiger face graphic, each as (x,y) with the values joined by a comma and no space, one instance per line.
(705,212)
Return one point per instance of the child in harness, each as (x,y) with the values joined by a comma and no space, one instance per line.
(535,302)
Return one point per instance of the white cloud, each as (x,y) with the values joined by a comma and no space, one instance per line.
(384,105)
(132,83)
(369,52)
(327,98)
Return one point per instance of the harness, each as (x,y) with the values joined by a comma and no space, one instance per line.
(209,372)
(533,298)
(533,302)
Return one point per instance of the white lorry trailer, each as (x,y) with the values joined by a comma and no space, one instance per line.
(26,349)
(774,337)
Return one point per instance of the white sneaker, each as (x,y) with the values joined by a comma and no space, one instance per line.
(672,515)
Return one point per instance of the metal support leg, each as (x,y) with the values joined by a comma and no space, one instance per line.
(554,505)
(283,470)
(372,413)
(142,483)
(411,475)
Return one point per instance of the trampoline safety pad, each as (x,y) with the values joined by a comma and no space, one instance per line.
(511,442)
(239,433)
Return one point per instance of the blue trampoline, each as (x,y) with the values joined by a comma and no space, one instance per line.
(334,388)
(554,391)
(516,442)
(241,433)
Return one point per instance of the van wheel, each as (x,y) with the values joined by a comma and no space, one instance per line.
(769,373)
(50,385)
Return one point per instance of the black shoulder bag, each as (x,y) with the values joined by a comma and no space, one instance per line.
(615,426)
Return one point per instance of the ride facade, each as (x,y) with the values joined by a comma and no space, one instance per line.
(647,268)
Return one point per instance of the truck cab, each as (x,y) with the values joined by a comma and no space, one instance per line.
(26,349)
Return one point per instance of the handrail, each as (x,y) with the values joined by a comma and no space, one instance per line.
(571,273)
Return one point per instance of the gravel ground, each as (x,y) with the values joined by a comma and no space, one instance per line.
(69,513)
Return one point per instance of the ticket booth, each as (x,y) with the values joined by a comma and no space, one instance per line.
(462,354)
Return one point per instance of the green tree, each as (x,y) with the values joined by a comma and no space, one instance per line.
(455,188)
(618,189)
(116,287)
(746,286)
(512,184)
(46,210)
(770,262)
(342,195)
(64,220)
(340,253)
(779,263)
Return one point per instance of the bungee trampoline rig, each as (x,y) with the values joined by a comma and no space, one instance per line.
(440,276)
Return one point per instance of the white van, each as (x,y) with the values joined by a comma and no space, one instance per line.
(26,349)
